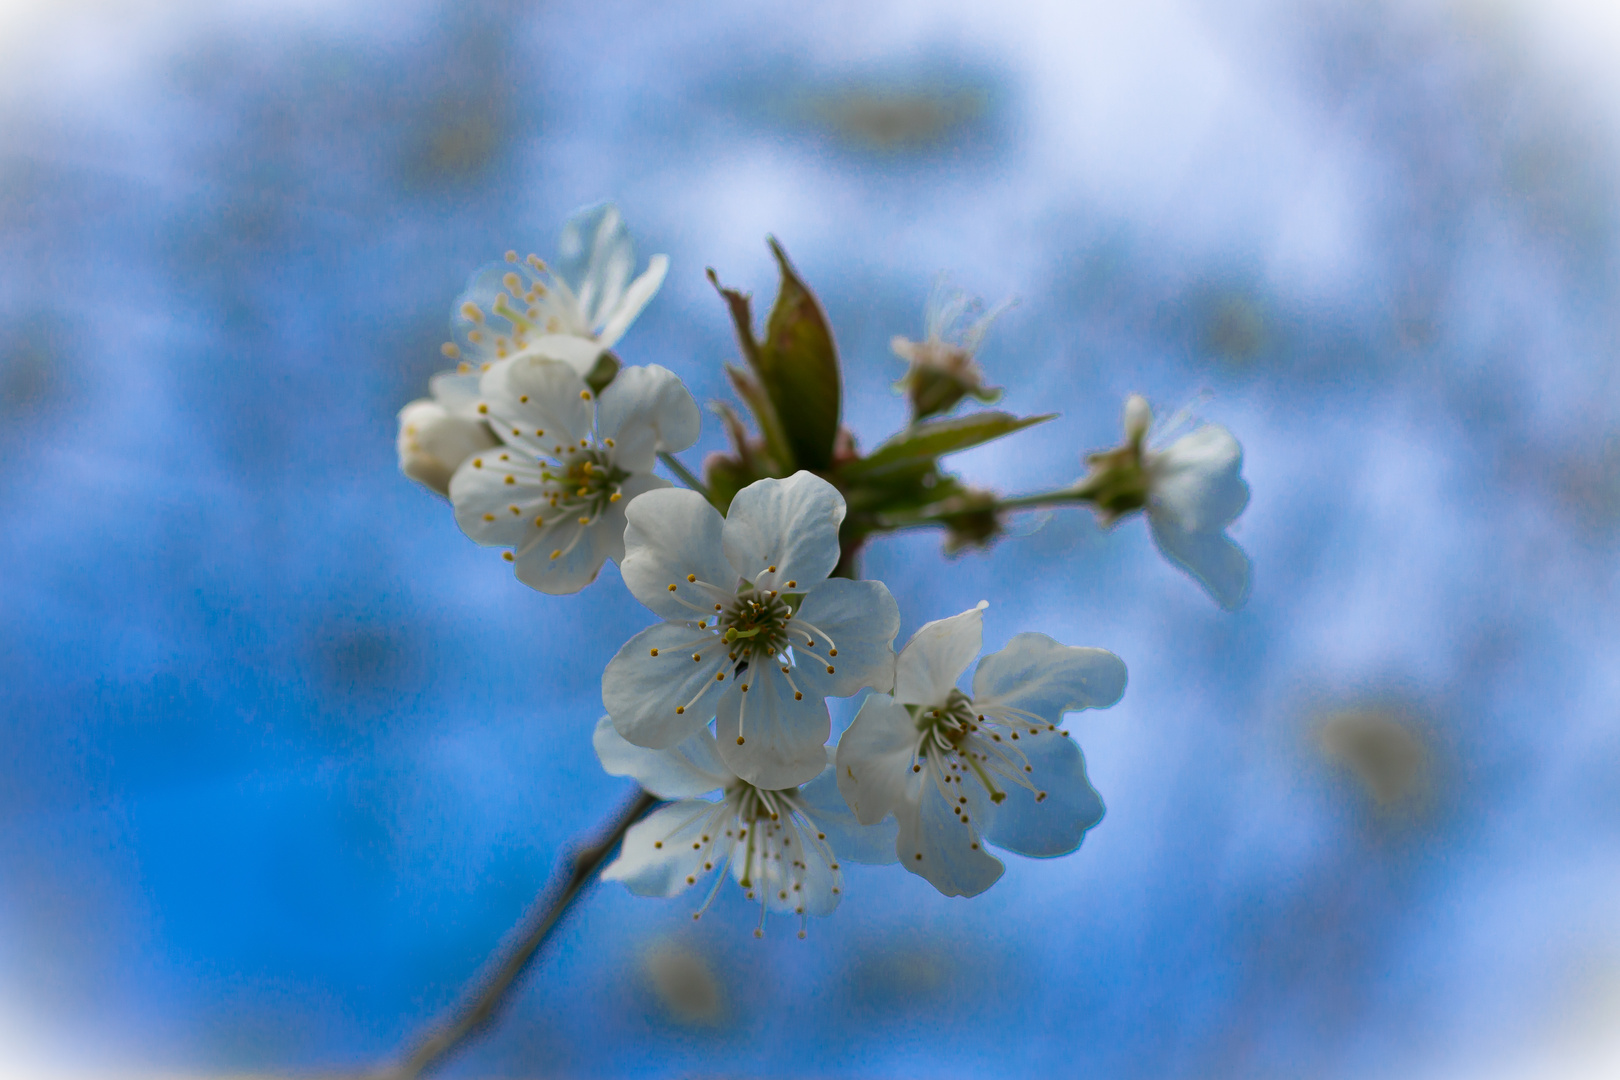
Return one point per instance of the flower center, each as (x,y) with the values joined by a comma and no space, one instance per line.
(755,624)
(586,481)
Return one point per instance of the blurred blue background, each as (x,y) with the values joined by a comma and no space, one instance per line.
(285,755)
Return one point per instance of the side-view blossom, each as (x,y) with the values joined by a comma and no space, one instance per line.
(1191,490)
(755,634)
(570,311)
(942,368)
(438,433)
(783,846)
(569,462)
(958,770)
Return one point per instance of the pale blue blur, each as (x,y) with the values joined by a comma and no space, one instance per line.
(285,754)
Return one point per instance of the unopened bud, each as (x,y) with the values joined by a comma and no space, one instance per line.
(432,443)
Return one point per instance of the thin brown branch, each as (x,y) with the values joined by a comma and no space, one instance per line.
(487,993)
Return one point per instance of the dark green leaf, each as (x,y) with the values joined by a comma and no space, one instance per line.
(933,438)
(798,365)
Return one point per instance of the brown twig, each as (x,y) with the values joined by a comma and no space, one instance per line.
(487,992)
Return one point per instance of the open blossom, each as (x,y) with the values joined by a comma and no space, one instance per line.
(569,311)
(756,635)
(1191,490)
(569,463)
(784,847)
(438,433)
(942,368)
(958,770)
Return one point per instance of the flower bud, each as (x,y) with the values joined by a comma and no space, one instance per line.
(433,443)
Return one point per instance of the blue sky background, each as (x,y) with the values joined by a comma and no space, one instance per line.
(285,754)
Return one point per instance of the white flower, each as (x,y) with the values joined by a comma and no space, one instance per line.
(571,311)
(437,434)
(957,770)
(555,491)
(1191,490)
(942,369)
(783,846)
(756,635)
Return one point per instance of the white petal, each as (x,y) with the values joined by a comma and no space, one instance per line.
(657,857)
(1212,558)
(1138,417)
(673,534)
(1056,824)
(874,759)
(642,691)
(937,655)
(433,443)
(578,352)
(1042,676)
(635,298)
(535,403)
(784,740)
(498,495)
(596,256)
(1195,480)
(824,805)
(645,410)
(456,391)
(862,620)
(565,557)
(690,768)
(934,844)
(790,524)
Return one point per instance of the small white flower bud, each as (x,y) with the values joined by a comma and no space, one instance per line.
(433,443)
(1138,418)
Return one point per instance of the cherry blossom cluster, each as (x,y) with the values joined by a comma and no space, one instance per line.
(545,444)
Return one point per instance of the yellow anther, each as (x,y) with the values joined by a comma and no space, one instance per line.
(720,677)
(478,463)
(697,658)
(463,368)
(829,669)
(745,688)
(534,261)
(510,479)
(616,496)
(557,554)
(515,431)
(655,652)
(524,398)
(538,522)
(449,351)
(512,283)
(791,584)
(584,395)
(507,555)
(608,443)
(482,409)
(798,696)
(511,256)
(672,587)
(515,511)
(539,432)
(658,843)
(691,577)
(485,366)
(832,652)
(739,743)
(470,312)
(583,490)
(679,709)
(584,521)
(489,517)
(475,336)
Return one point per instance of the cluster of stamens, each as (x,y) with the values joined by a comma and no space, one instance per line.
(958,739)
(770,832)
(531,303)
(754,627)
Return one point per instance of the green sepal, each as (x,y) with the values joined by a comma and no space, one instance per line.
(603,372)
(922,443)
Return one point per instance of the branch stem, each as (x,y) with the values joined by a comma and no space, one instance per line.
(487,992)
(683,474)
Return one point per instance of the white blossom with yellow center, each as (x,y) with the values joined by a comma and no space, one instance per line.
(756,635)
(785,847)
(569,463)
(569,311)
(960,770)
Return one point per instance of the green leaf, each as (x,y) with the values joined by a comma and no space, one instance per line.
(930,439)
(798,365)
